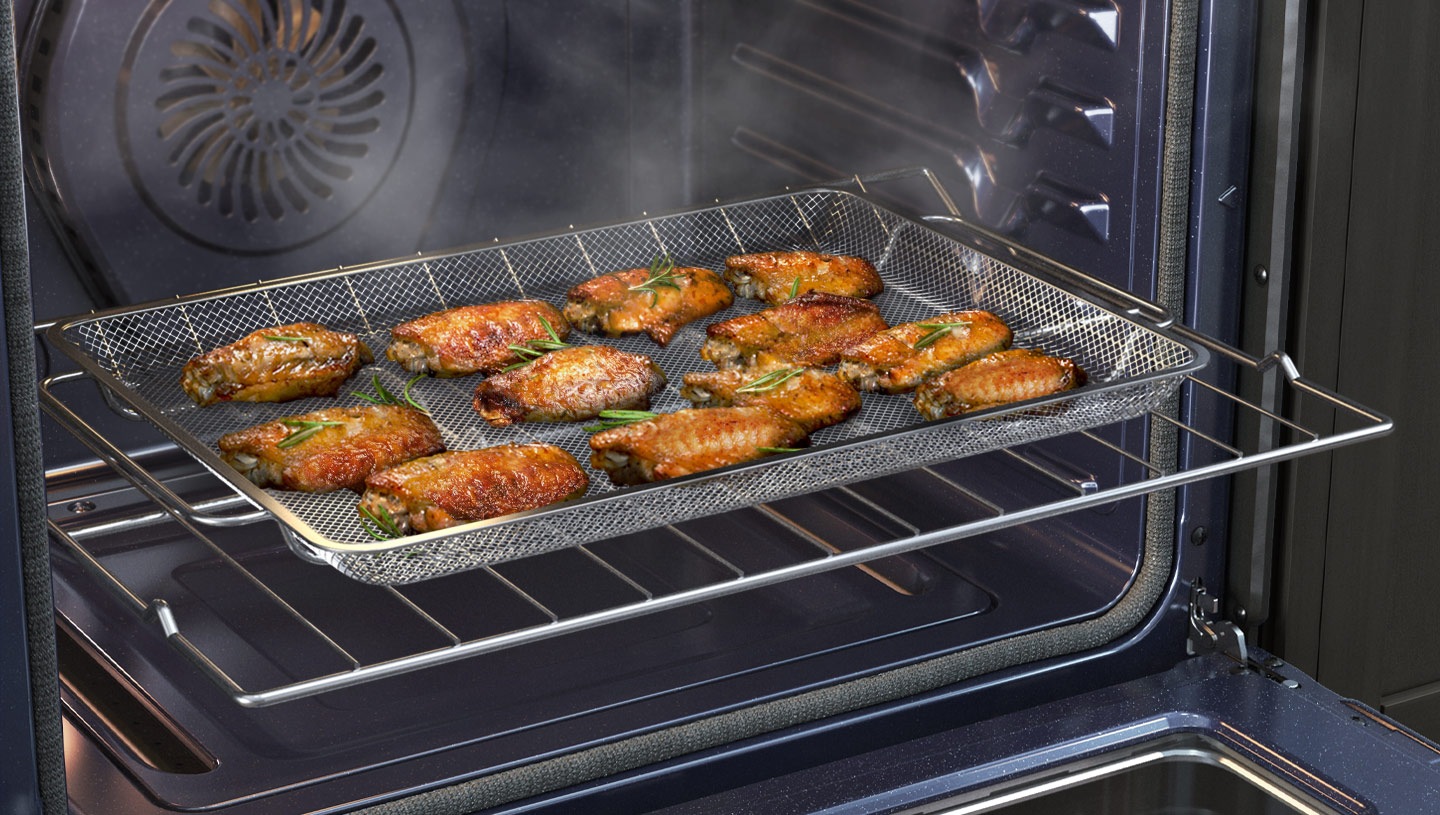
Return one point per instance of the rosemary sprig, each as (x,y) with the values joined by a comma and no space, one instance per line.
(385,526)
(283,338)
(937,330)
(779,449)
(620,418)
(307,428)
(383,396)
(531,350)
(795,287)
(770,381)
(662,273)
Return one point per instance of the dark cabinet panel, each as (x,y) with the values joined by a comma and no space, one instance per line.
(1359,557)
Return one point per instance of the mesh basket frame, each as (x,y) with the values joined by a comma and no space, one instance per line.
(138,353)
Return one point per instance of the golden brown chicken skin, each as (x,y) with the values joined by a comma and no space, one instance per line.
(811,397)
(998,379)
(276,364)
(778,276)
(657,301)
(330,449)
(691,441)
(445,490)
(473,339)
(812,329)
(900,358)
(568,385)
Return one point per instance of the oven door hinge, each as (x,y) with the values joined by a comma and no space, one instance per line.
(1209,634)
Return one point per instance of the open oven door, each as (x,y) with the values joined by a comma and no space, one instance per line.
(1211,735)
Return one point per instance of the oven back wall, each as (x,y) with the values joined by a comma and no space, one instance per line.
(164,171)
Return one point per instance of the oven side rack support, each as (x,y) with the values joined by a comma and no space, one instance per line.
(1299,441)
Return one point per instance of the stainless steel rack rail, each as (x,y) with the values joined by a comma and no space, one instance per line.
(1343,422)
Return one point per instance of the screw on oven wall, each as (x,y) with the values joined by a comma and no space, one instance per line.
(80,507)
(1199,535)
(1262,274)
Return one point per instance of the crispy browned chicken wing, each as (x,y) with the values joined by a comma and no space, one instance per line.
(778,276)
(445,490)
(330,449)
(691,441)
(811,397)
(568,385)
(658,301)
(811,329)
(900,358)
(998,379)
(474,339)
(276,364)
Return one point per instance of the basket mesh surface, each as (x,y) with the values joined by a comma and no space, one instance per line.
(141,352)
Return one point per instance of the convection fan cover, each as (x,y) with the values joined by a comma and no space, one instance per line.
(185,145)
(257,125)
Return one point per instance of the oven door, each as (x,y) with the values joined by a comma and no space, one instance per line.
(1207,736)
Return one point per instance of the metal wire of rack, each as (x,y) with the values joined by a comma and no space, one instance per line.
(1345,422)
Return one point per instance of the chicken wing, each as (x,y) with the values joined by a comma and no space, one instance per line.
(900,358)
(474,339)
(691,441)
(330,449)
(275,364)
(778,276)
(998,379)
(658,301)
(569,384)
(811,329)
(811,397)
(445,490)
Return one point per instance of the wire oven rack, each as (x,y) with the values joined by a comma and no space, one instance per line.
(1334,421)
(1133,362)
(1339,421)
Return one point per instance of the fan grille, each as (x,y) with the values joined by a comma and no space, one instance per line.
(259,125)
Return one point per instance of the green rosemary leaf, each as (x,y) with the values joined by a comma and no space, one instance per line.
(525,351)
(281,338)
(937,330)
(531,350)
(779,449)
(383,396)
(662,273)
(795,287)
(620,418)
(770,381)
(306,429)
(410,399)
(383,521)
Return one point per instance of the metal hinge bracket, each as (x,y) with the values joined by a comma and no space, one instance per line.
(1208,634)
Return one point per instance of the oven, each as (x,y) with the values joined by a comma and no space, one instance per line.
(1042,610)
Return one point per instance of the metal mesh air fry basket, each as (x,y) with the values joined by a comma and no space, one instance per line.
(139,352)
